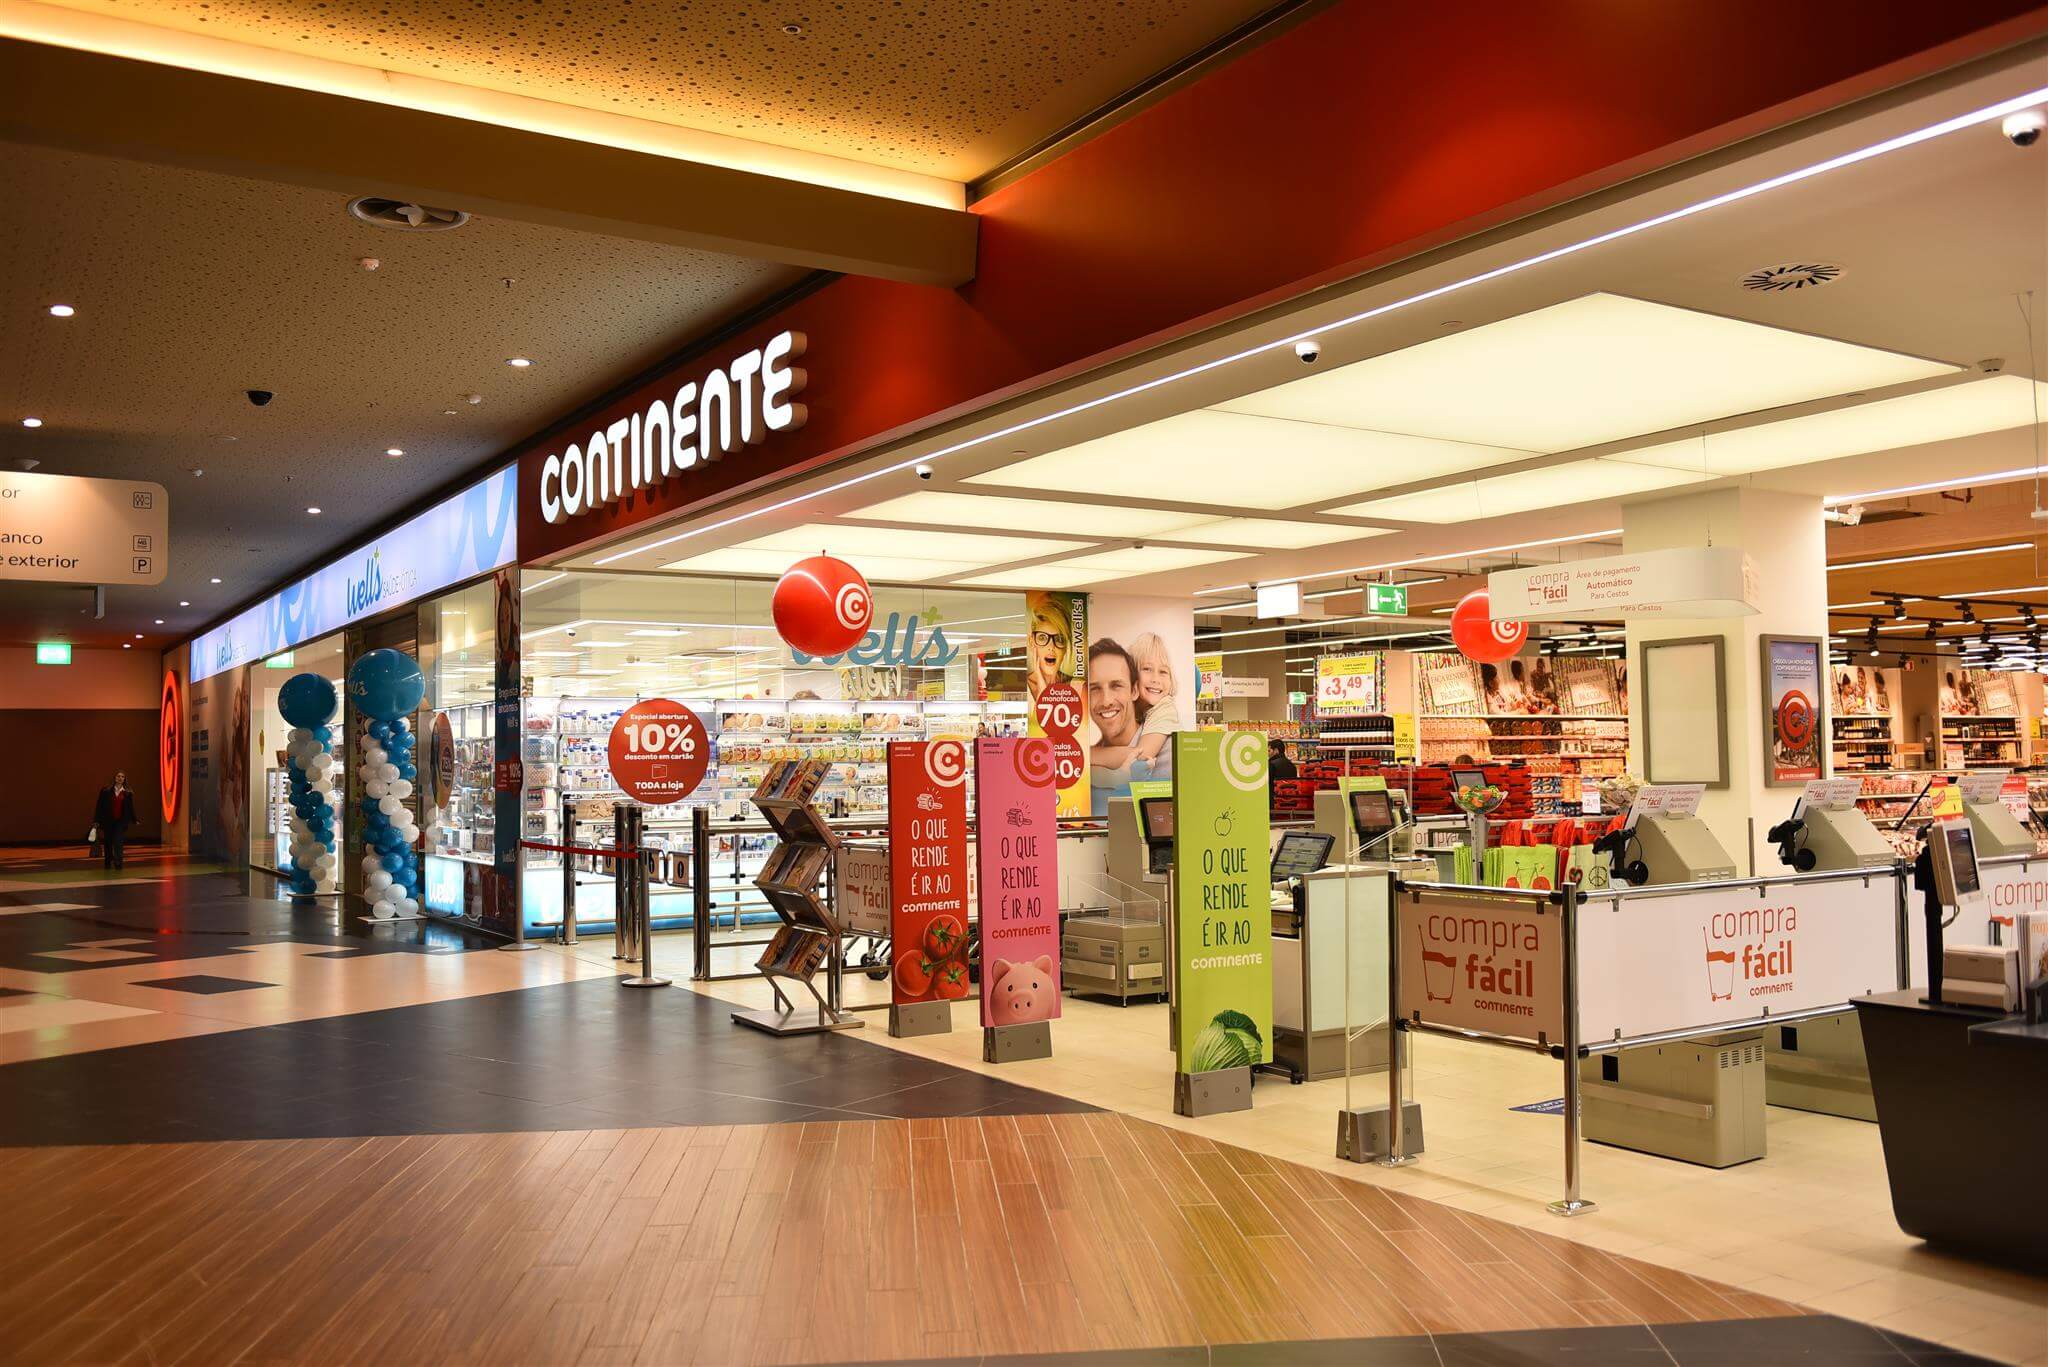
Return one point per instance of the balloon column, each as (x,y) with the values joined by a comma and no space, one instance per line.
(386,686)
(307,702)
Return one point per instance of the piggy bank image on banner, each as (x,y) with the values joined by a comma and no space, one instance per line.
(1021,992)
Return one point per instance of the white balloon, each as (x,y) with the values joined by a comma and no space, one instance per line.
(400,787)
(390,892)
(379,879)
(323,785)
(298,735)
(409,907)
(375,788)
(387,771)
(409,832)
(321,762)
(389,805)
(383,911)
(373,754)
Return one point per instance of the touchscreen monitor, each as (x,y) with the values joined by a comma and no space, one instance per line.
(1156,815)
(1372,814)
(1300,853)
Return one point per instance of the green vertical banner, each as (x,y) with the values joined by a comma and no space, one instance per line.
(1222,903)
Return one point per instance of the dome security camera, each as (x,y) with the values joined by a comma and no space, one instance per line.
(2024,128)
(1309,352)
(924,472)
(570,633)
(259,397)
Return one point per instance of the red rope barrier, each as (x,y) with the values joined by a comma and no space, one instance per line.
(578,849)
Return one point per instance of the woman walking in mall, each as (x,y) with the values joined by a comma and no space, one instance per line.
(113,815)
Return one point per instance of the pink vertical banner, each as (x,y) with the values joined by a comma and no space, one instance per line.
(1017,867)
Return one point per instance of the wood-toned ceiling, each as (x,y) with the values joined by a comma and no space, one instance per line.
(934,86)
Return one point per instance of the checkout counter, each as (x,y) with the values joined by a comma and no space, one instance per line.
(1119,951)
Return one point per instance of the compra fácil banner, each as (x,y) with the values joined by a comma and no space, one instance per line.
(1017,857)
(928,870)
(1223,915)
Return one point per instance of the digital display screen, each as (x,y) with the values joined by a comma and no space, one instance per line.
(1157,816)
(1962,855)
(1300,853)
(1372,813)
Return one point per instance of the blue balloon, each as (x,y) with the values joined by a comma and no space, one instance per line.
(386,684)
(379,730)
(323,734)
(306,700)
(393,864)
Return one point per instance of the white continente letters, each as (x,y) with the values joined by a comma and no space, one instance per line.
(734,405)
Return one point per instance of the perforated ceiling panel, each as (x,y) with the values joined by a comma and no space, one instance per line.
(946,87)
(191,288)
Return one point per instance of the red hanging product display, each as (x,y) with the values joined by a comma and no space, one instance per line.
(822,606)
(1478,636)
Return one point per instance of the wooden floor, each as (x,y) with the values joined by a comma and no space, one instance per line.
(791,1243)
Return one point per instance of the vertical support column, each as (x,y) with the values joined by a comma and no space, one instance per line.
(1568,927)
(1397,1154)
(636,871)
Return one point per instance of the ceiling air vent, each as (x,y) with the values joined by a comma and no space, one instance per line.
(405,216)
(1804,275)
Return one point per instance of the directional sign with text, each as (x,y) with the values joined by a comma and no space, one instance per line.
(68,529)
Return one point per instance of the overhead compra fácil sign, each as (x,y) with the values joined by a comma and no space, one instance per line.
(724,409)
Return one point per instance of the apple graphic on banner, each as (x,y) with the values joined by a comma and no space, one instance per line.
(1224,821)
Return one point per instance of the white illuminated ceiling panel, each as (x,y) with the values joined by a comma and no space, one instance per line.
(1962,410)
(1242,461)
(1269,533)
(935,508)
(1149,559)
(1579,481)
(853,543)
(1043,577)
(754,560)
(1590,370)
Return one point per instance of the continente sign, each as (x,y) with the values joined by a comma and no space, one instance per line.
(737,403)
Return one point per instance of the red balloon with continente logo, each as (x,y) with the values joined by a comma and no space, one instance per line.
(822,606)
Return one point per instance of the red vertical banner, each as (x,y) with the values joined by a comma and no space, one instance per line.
(1015,790)
(928,870)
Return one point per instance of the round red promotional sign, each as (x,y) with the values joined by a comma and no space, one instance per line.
(170,745)
(1795,718)
(1060,711)
(659,751)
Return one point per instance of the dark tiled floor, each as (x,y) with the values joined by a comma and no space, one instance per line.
(1796,1341)
(581,1055)
(202,984)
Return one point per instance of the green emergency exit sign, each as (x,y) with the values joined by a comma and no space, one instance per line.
(1386,600)
(53,652)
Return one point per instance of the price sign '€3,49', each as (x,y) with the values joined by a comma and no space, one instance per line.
(659,751)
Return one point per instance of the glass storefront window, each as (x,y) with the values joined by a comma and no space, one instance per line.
(458,655)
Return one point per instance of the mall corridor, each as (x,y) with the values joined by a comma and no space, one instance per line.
(235,1131)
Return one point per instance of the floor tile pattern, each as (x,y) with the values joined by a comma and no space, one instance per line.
(818,1242)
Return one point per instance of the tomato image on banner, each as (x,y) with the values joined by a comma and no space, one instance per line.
(659,751)
(928,870)
(1016,856)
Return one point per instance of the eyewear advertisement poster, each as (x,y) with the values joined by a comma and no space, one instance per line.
(1055,679)
(1140,675)
(1350,685)
(1792,697)
(928,870)
(1731,953)
(1483,963)
(1223,923)
(1016,853)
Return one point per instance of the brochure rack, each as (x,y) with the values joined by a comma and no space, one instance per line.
(810,937)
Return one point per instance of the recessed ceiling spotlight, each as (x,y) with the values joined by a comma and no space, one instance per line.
(31,422)
(184,603)
(61,310)
(127,646)
(213,581)
(138,635)
(159,621)
(793,30)
(448,413)
(314,511)
(518,362)
(394,451)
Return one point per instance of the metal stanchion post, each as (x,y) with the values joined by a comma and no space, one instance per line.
(1568,927)
(625,826)
(1397,1154)
(1901,876)
(568,841)
(642,909)
(700,880)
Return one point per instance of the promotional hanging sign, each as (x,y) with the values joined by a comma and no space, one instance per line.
(1016,853)
(658,751)
(1348,685)
(1223,919)
(928,870)
(1056,669)
(1483,963)
(1682,581)
(1794,727)
(70,529)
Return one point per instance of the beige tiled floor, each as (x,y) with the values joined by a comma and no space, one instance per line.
(1811,1222)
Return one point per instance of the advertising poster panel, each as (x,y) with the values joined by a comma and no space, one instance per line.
(1016,853)
(1140,676)
(928,870)
(1223,920)
(658,751)
(1056,679)
(1794,731)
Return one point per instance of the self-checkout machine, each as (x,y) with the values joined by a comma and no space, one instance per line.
(1121,952)
(1699,1099)
(1994,829)
(1819,1064)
